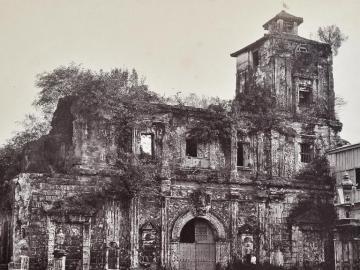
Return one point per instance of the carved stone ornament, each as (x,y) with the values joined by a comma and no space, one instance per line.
(201,201)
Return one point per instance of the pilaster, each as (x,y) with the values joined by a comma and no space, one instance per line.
(134,233)
(234,209)
(165,252)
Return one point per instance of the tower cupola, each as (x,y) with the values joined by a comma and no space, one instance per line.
(283,22)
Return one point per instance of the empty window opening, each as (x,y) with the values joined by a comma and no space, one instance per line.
(305,89)
(288,26)
(240,154)
(191,147)
(304,98)
(357,177)
(305,152)
(256,58)
(146,144)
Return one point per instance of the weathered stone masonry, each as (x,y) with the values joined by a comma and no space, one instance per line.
(236,208)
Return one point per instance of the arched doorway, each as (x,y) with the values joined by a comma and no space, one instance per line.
(197,246)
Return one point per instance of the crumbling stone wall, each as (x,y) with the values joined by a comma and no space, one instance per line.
(275,218)
(34,206)
(283,61)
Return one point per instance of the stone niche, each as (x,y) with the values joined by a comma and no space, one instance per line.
(149,245)
(246,242)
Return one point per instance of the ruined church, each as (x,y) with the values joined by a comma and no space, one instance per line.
(217,201)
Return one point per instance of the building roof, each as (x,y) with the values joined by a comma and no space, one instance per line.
(250,46)
(343,148)
(285,16)
(261,40)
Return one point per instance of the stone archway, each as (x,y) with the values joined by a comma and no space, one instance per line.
(220,248)
(214,222)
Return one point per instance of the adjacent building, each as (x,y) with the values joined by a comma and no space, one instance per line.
(345,162)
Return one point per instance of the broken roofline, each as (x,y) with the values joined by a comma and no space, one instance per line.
(291,37)
(164,107)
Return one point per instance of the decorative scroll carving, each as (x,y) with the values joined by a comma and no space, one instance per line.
(201,201)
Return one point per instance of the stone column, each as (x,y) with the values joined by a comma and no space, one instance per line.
(165,190)
(263,254)
(106,263)
(51,243)
(234,209)
(117,258)
(134,232)
(86,245)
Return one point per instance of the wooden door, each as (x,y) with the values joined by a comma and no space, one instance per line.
(199,255)
(205,256)
(187,256)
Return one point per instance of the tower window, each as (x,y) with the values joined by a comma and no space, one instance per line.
(305,89)
(305,152)
(256,58)
(288,26)
(240,154)
(191,147)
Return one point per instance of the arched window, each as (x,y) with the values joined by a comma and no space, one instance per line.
(302,48)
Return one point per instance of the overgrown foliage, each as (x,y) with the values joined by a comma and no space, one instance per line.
(263,115)
(197,101)
(120,98)
(317,169)
(218,122)
(131,181)
(117,96)
(10,154)
(333,36)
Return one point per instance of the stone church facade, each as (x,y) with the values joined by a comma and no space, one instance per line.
(215,203)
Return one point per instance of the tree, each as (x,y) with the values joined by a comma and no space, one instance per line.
(197,101)
(333,36)
(115,93)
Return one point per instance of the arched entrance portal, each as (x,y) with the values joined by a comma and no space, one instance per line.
(197,246)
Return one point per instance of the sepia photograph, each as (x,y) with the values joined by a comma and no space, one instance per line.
(179,135)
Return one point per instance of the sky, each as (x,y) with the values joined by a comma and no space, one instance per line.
(179,46)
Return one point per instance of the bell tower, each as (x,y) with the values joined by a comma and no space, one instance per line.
(283,22)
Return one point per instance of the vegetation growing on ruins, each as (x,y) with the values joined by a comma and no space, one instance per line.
(121,97)
(317,170)
(332,35)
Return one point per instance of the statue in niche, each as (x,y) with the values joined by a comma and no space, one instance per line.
(248,249)
(201,201)
(247,246)
(149,245)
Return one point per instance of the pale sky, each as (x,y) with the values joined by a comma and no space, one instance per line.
(177,45)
